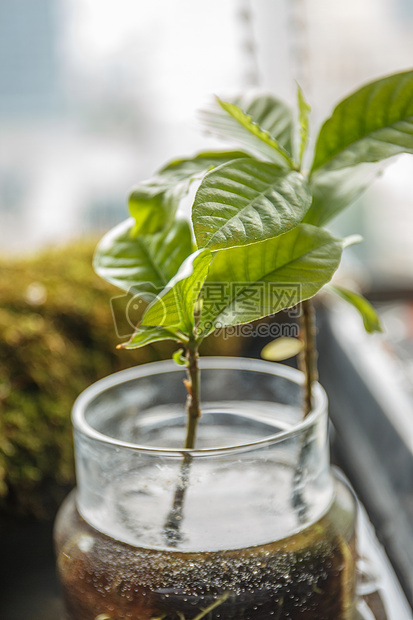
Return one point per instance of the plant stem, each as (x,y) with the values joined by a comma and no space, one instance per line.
(308,365)
(172,527)
(308,356)
(192,384)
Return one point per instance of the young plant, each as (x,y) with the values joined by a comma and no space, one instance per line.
(258,221)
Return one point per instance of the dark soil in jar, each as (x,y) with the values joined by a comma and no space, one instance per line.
(307,576)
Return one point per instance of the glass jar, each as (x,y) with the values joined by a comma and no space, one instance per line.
(249,525)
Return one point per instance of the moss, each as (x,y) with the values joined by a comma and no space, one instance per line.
(57,336)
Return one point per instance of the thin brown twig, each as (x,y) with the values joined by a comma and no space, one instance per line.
(308,356)
(308,365)
(172,527)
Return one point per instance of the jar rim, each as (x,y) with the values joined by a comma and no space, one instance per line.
(206,363)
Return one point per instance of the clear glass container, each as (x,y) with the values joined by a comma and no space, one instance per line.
(250,525)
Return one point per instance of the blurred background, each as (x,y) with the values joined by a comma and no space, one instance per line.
(95,95)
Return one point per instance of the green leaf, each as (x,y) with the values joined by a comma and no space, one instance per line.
(153,206)
(335,190)
(179,358)
(270,114)
(175,305)
(303,117)
(282,349)
(370,317)
(232,123)
(182,169)
(250,282)
(246,201)
(153,203)
(149,335)
(370,125)
(143,262)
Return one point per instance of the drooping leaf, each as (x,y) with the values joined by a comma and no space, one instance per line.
(304,110)
(174,307)
(250,282)
(143,262)
(246,201)
(334,190)
(370,125)
(148,335)
(282,349)
(371,320)
(153,203)
(230,122)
